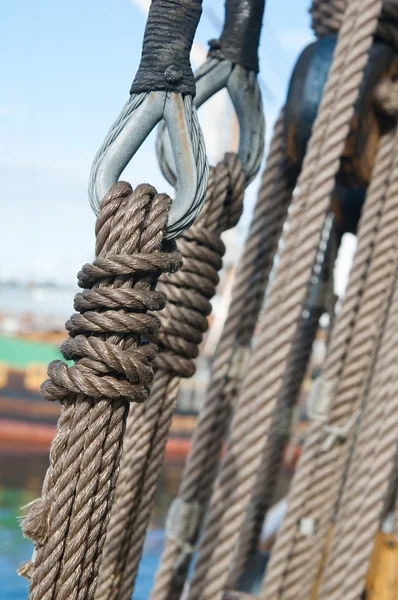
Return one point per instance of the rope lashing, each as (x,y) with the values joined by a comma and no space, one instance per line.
(163,88)
(182,328)
(112,368)
(202,249)
(230,358)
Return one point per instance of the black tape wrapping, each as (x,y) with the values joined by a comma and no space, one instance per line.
(168,38)
(240,38)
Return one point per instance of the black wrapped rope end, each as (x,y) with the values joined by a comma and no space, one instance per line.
(168,38)
(240,38)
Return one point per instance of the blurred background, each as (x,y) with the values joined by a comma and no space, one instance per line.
(65,73)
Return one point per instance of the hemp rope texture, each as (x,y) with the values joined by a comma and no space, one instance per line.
(284,303)
(327,18)
(111,369)
(267,478)
(363,485)
(183,324)
(247,296)
(289,566)
(380,420)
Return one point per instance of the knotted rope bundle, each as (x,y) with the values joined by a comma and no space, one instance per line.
(182,327)
(113,367)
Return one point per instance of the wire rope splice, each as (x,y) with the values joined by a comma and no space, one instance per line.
(232,63)
(163,88)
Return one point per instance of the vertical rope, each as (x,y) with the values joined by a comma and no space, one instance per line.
(229,360)
(327,16)
(273,453)
(285,302)
(111,369)
(366,484)
(290,555)
(183,324)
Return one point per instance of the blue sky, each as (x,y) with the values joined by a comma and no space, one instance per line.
(65,74)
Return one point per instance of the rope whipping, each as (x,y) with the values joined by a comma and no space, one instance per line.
(229,364)
(284,304)
(113,367)
(183,325)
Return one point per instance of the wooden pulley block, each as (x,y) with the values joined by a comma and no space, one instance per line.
(304,96)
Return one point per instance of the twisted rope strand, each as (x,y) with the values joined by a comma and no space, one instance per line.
(181,332)
(289,543)
(379,420)
(284,304)
(66,523)
(360,484)
(229,360)
(273,453)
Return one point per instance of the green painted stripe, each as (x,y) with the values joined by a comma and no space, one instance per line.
(21,353)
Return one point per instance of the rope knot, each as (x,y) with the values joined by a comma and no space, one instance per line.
(108,333)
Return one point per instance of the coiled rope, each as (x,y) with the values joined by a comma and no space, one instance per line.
(112,368)
(183,325)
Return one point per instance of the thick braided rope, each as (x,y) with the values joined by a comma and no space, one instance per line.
(284,303)
(361,514)
(361,482)
(164,395)
(331,464)
(183,325)
(221,212)
(228,364)
(284,550)
(327,17)
(267,477)
(111,369)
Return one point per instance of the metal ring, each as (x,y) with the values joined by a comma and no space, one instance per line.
(139,116)
(244,91)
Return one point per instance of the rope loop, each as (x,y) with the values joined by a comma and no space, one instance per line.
(162,89)
(244,91)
